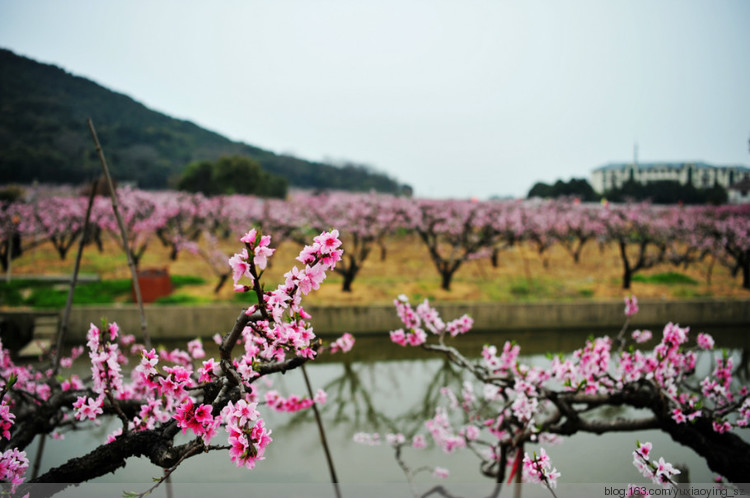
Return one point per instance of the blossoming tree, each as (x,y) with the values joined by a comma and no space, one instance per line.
(453,231)
(362,219)
(505,404)
(16,223)
(184,219)
(60,220)
(142,214)
(167,393)
(729,229)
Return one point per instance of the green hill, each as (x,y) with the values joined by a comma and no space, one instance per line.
(44,137)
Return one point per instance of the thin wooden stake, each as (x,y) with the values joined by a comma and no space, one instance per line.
(73,282)
(38,459)
(124,235)
(319,421)
(9,252)
(519,473)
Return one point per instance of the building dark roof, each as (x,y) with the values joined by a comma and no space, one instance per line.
(742,185)
(669,165)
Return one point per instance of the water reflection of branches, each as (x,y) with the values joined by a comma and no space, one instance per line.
(742,371)
(350,396)
(346,391)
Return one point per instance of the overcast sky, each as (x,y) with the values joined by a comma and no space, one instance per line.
(458,98)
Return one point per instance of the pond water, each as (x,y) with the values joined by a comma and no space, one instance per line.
(381,387)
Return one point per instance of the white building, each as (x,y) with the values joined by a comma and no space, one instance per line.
(701,175)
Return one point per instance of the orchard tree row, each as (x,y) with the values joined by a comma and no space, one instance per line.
(453,231)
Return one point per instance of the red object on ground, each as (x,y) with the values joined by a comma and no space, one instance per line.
(154,283)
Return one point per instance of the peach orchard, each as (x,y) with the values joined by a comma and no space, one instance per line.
(219,403)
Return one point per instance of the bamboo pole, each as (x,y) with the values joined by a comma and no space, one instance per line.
(319,421)
(38,459)
(9,252)
(124,235)
(73,282)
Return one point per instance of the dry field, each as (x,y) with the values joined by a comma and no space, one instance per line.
(407,269)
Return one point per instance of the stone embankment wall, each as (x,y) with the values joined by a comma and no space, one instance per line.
(188,322)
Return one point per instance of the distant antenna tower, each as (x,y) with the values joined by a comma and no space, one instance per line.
(634,168)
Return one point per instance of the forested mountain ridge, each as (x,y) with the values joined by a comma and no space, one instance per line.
(44,137)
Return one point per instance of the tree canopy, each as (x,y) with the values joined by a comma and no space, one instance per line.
(231,175)
(576,187)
